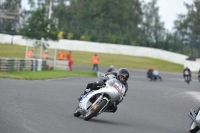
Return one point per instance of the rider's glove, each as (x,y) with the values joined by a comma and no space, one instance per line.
(100,83)
(89,86)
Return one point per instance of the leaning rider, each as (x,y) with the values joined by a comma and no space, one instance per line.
(150,73)
(122,75)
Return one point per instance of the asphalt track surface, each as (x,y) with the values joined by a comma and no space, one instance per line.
(47,106)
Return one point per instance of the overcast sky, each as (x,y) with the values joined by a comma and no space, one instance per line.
(168,10)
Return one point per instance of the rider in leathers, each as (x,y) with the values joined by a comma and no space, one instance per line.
(122,75)
(188,71)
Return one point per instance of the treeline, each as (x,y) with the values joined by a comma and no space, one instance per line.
(128,22)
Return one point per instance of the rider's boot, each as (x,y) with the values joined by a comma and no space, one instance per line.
(88,89)
(111,109)
(82,95)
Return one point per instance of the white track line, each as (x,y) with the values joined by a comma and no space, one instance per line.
(196,95)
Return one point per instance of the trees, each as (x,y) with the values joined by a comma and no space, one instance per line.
(188,27)
(38,26)
(9,16)
(101,21)
(151,26)
(130,22)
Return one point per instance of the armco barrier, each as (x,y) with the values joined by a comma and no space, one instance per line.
(59,65)
(9,65)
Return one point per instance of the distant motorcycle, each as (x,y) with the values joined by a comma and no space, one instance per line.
(195,124)
(155,77)
(187,77)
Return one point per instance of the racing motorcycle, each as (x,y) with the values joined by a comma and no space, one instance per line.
(98,101)
(187,77)
(195,124)
(156,76)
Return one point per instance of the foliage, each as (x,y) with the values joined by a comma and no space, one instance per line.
(129,22)
(70,35)
(60,35)
(97,19)
(152,27)
(188,26)
(38,26)
(9,8)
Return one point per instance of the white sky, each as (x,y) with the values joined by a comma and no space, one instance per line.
(168,10)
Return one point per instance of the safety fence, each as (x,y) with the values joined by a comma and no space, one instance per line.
(58,64)
(9,65)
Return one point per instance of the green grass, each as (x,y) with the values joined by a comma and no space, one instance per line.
(85,59)
(12,51)
(41,75)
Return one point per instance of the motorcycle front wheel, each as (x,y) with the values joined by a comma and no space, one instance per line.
(187,79)
(95,110)
(193,126)
(159,78)
(195,129)
(77,112)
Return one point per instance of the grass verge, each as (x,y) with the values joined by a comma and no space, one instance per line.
(42,75)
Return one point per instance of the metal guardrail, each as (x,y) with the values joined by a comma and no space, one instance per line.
(9,65)
(59,65)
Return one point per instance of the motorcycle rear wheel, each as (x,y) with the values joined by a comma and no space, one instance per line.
(188,81)
(93,113)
